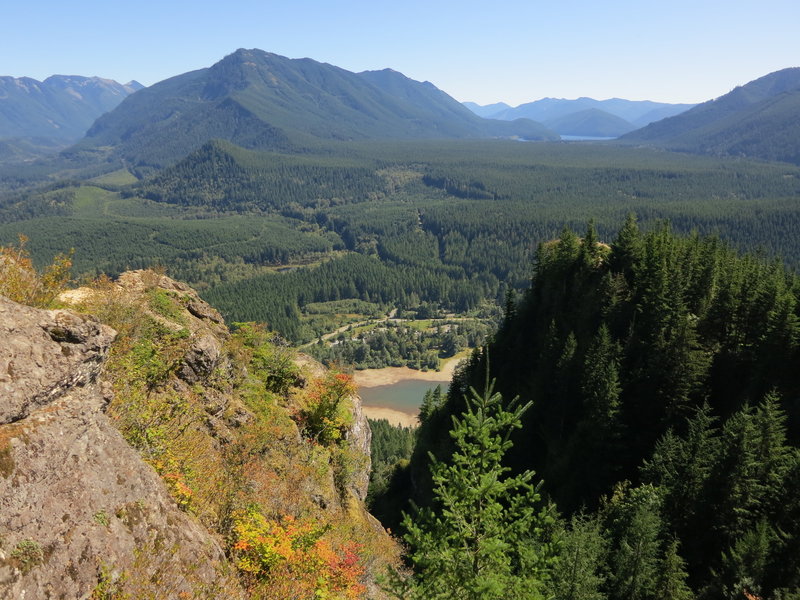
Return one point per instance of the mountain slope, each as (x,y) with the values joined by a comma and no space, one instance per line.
(61,107)
(260,100)
(590,122)
(760,119)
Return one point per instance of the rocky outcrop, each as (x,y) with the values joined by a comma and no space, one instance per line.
(359,435)
(44,354)
(83,512)
(78,506)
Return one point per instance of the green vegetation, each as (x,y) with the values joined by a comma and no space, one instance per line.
(393,343)
(485,535)
(27,554)
(665,422)
(433,225)
(390,449)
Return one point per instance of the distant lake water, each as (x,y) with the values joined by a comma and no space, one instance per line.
(584,138)
(405,396)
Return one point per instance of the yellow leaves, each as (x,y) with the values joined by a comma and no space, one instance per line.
(325,415)
(175,480)
(21,282)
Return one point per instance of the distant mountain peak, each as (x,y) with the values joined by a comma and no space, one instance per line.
(563,115)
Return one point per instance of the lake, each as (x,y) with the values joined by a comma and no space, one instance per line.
(395,393)
(403,396)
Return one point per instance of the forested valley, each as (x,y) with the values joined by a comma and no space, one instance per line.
(449,226)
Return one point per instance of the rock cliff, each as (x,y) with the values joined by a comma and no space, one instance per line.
(129,459)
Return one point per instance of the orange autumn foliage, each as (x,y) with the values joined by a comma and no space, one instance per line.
(290,559)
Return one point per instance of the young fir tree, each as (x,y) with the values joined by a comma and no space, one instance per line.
(633,521)
(671,581)
(578,573)
(485,536)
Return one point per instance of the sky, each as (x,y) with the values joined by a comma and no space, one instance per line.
(684,51)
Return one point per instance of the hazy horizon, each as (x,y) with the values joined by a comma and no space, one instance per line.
(681,52)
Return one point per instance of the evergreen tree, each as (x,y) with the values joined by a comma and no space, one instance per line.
(485,536)
(634,524)
(672,576)
(578,573)
(627,247)
(600,384)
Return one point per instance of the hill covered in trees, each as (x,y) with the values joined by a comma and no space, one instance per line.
(665,421)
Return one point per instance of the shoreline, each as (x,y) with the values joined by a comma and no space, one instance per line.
(391,375)
(370,378)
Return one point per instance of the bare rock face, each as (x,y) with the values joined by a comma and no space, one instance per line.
(78,506)
(359,435)
(44,354)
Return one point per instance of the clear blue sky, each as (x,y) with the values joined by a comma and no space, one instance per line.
(514,51)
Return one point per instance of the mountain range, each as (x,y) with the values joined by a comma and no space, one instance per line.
(584,116)
(260,100)
(263,101)
(55,112)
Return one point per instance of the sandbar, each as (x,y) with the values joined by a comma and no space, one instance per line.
(392,375)
(395,417)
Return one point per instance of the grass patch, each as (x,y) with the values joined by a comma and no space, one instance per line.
(6,461)
(91,201)
(28,553)
(120,177)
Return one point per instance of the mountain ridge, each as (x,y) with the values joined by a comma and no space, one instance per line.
(547,110)
(295,102)
(60,107)
(758,119)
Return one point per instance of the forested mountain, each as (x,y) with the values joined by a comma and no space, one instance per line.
(663,375)
(59,108)
(260,100)
(554,113)
(759,119)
